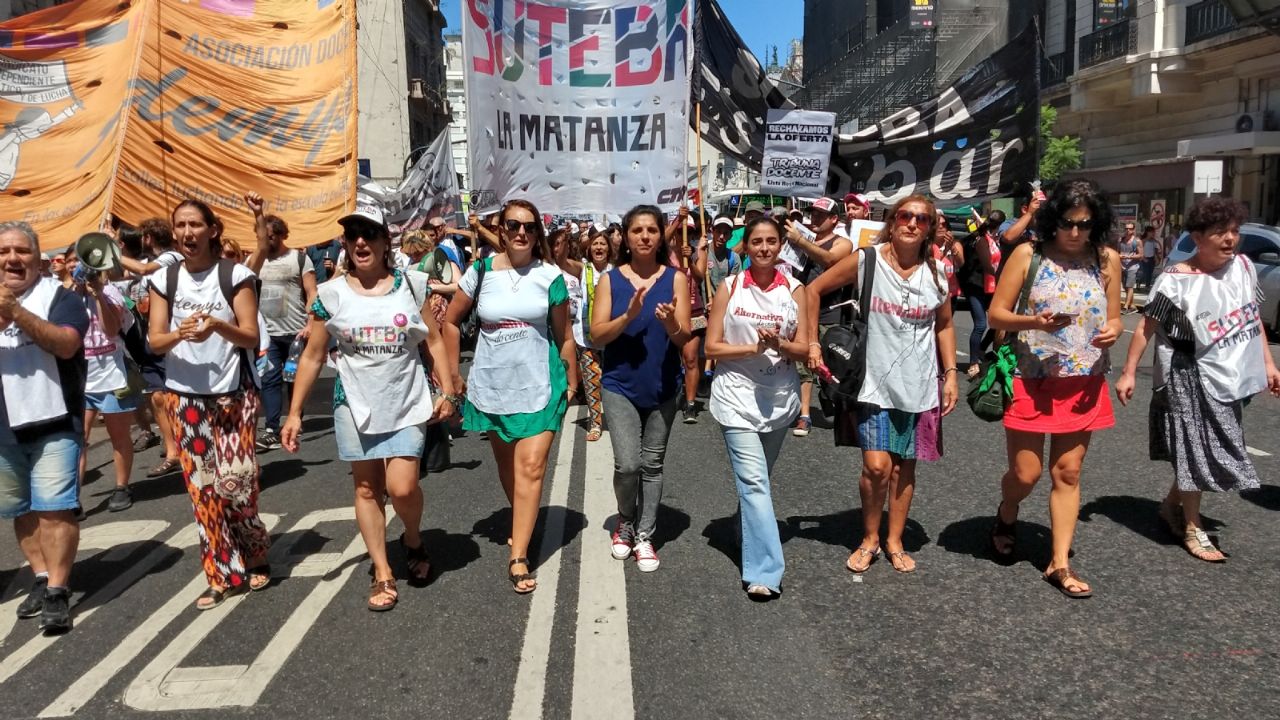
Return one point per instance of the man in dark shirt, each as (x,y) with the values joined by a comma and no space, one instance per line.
(42,378)
(324,258)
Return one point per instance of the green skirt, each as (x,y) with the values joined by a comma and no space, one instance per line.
(522,425)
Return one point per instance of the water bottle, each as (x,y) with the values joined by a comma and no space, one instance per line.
(291,362)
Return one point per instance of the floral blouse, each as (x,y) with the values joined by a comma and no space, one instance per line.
(1065,288)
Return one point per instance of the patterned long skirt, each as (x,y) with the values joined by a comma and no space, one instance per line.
(220,466)
(589,364)
(1201,436)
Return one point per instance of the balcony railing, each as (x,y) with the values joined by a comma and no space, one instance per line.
(1110,42)
(1055,69)
(1207,19)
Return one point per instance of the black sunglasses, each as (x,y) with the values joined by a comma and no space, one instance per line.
(1085,224)
(354,231)
(530,228)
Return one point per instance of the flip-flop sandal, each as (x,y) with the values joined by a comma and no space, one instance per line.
(896,557)
(871,556)
(383,587)
(417,558)
(259,578)
(517,578)
(1058,578)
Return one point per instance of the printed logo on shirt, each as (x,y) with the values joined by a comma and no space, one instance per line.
(207,308)
(400,320)
(761,319)
(917,315)
(507,331)
(1238,326)
(375,340)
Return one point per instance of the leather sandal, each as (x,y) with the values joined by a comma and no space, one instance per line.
(897,557)
(858,554)
(418,559)
(517,578)
(383,587)
(259,577)
(1197,542)
(1058,578)
(166,466)
(216,596)
(1004,531)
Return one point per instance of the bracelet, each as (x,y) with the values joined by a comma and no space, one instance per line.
(815,344)
(949,370)
(455,400)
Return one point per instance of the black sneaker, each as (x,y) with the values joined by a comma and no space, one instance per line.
(121,499)
(55,618)
(268,440)
(690,413)
(34,603)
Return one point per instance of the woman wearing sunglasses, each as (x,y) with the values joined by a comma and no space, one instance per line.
(518,388)
(908,330)
(641,319)
(380,317)
(1070,317)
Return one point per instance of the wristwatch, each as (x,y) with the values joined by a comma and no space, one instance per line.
(455,400)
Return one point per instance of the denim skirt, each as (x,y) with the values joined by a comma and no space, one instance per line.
(354,445)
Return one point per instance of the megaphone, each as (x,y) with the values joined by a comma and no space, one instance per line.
(98,251)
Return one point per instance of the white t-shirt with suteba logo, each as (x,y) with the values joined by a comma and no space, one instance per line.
(211,367)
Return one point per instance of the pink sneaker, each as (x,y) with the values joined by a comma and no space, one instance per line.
(623,538)
(646,556)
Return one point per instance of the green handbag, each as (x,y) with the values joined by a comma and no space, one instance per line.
(990,393)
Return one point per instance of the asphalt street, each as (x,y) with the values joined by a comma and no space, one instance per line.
(1164,636)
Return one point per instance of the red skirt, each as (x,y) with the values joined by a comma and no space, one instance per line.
(1057,406)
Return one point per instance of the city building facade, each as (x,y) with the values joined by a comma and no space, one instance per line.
(1160,91)
(456,96)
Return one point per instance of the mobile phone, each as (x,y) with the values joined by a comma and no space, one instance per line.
(1065,316)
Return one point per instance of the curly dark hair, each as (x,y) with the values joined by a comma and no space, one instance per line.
(624,250)
(1072,194)
(159,231)
(1214,212)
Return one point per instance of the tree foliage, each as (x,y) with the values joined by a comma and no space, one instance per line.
(1061,153)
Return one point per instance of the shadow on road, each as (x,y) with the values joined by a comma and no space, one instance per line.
(973,537)
(1266,497)
(844,529)
(496,528)
(1141,515)
(283,469)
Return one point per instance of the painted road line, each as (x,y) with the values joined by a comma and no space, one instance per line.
(114,538)
(83,689)
(165,686)
(1256,452)
(602,655)
(531,677)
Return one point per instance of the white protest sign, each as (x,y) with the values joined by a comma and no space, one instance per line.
(797,152)
(579,106)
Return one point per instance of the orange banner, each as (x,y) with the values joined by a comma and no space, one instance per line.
(64,84)
(238,95)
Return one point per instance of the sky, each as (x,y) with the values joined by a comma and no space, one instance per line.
(761,23)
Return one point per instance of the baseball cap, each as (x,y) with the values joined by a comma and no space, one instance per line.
(856,198)
(366,211)
(724,220)
(754,206)
(436,221)
(824,204)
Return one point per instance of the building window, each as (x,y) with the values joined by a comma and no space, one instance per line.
(1110,12)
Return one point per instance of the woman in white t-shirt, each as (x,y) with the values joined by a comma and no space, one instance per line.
(589,368)
(756,333)
(517,389)
(380,317)
(1211,357)
(908,330)
(204,319)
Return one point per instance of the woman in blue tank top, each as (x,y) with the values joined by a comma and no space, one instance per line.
(641,319)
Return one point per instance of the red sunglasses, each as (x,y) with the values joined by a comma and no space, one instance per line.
(904,217)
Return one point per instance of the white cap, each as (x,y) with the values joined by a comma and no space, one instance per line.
(367,210)
(722,220)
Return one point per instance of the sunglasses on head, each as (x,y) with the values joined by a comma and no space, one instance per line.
(904,217)
(1085,224)
(530,228)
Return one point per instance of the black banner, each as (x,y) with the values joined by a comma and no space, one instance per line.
(732,87)
(974,141)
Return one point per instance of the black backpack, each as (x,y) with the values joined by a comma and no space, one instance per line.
(135,342)
(844,347)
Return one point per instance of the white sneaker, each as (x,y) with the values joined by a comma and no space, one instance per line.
(646,556)
(623,538)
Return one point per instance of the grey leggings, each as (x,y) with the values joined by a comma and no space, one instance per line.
(639,440)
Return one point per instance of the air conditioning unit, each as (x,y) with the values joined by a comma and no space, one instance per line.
(1253,122)
(416,92)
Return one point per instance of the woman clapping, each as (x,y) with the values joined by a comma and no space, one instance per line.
(380,317)
(756,334)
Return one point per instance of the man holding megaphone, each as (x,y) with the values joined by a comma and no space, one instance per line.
(107,389)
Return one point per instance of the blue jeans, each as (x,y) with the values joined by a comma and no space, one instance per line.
(40,476)
(752,455)
(978,304)
(273,382)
